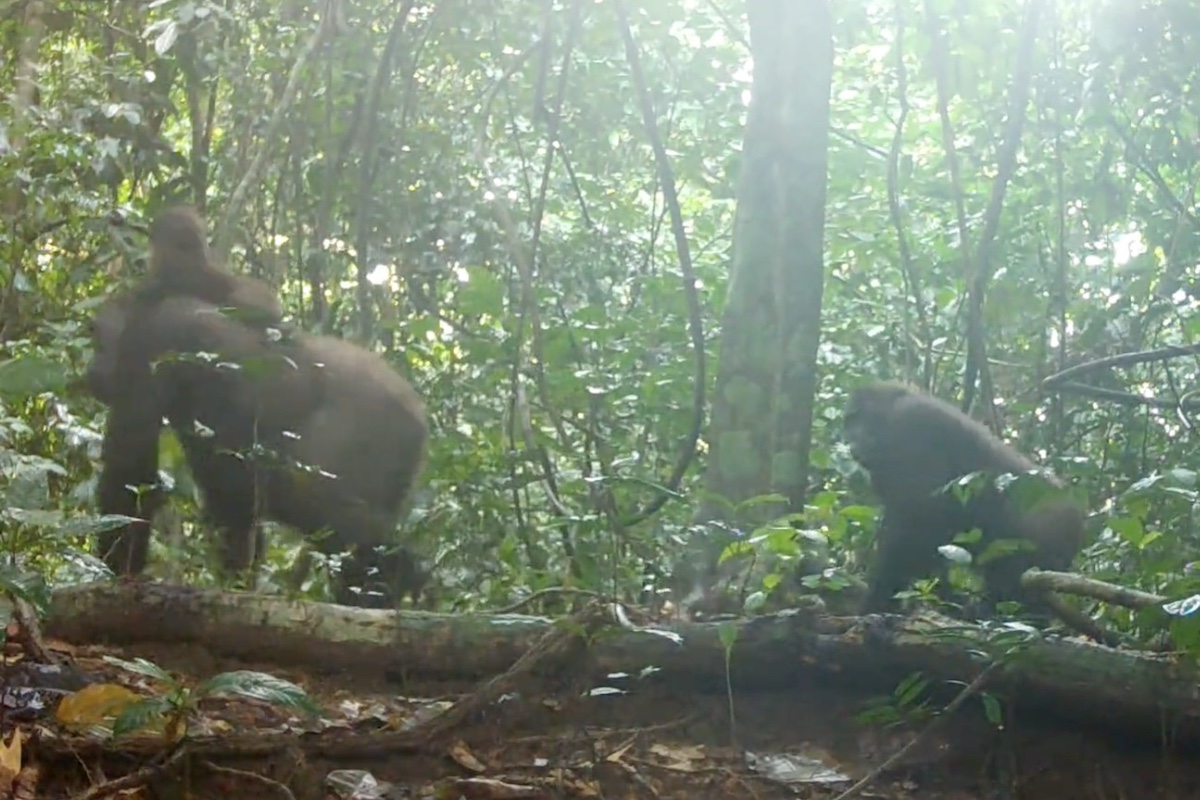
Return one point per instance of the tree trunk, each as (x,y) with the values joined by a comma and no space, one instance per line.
(762,412)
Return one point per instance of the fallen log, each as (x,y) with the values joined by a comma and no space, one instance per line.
(1081,680)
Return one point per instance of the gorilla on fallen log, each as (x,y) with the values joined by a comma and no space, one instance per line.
(345,437)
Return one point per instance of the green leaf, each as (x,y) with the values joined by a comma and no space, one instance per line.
(909,690)
(761,500)
(35,517)
(259,686)
(482,294)
(754,601)
(727,632)
(142,667)
(27,376)
(91,525)
(148,713)
(955,554)
(26,585)
(991,708)
(166,38)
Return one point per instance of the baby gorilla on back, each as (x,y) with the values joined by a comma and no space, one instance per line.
(912,444)
(181,263)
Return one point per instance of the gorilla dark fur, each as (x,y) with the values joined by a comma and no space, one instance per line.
(361,435)
(182,264)
(912,444)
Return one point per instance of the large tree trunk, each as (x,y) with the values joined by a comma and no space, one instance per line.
(762,413)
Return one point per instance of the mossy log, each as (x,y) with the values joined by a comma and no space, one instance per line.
(1083,680)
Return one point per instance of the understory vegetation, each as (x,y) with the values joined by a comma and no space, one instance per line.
(530,209)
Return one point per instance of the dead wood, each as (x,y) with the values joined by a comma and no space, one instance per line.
(1071,583)
(1081,680)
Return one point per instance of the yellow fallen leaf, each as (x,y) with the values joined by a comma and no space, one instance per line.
(95,704)
(10,760)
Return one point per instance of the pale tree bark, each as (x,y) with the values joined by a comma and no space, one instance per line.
(761,428)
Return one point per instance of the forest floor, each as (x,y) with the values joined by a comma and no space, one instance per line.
(650,742)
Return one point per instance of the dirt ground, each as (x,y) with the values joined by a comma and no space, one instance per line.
(643,741)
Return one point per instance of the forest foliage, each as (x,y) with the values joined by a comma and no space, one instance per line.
(471,187)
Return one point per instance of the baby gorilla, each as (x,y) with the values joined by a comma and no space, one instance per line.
(912,444)
(182,264)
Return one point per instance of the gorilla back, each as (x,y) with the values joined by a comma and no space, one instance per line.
(345,435)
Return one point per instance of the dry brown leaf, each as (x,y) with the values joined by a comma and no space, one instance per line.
(463,756)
